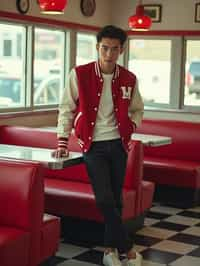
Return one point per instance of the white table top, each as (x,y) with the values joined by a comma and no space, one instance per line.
(152,140)
(39,154)
(44,155)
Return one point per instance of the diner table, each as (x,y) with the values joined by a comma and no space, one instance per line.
(152,140)
(39,154)
(44,155)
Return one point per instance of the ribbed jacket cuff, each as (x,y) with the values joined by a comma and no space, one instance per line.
(63,143)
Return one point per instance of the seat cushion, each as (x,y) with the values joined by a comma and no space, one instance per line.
(50,236)
(14,246)
(172,172)
(77,199)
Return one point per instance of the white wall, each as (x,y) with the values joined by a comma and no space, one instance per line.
(102,15)
(176,14)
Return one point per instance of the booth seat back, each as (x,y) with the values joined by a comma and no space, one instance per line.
(22,200)
(185,139)
(39,138)
(27,136)
(74,173)
(33,137)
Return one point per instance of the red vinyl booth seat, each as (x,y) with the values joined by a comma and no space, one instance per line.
(175,168)
(68,191)
(27,237)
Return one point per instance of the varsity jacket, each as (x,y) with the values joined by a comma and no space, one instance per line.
(80,110)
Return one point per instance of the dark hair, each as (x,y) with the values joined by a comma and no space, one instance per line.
(112,32)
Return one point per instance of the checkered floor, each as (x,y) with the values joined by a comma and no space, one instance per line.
(170,237)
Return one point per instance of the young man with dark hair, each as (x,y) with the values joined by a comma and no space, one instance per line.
(102,103)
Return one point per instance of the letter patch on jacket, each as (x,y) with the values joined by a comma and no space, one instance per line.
(126,92)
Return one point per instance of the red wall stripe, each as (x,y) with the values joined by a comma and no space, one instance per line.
(166,32)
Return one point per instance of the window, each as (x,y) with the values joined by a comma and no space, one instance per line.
(35,59)
(150,61)
(12,82)
(48,66)
(159,63)
(192,73)
(86,48)
(18,89)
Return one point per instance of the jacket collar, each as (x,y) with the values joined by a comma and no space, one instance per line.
(98,70)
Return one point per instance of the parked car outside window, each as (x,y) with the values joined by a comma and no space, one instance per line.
(193,78)
(46,91)
(10,88)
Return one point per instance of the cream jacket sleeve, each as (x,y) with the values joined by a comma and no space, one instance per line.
(67,106)
(136,107)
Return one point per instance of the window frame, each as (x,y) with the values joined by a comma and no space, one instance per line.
(86,32)
(65,66)
(178,57)
(187,108)
(177,85)
(27,81)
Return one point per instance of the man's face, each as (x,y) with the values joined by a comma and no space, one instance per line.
(109,51)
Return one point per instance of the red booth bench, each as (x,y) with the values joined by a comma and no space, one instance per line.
(27,236)
(68,191)
(175,168)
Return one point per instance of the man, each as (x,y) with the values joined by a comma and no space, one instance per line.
(102,102)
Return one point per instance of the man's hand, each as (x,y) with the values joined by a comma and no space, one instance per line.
(62,149)
(60,152)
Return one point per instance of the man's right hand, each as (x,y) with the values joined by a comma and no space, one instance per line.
(60,152)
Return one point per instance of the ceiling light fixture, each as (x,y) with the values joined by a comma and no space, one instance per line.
(139,21)
(52,6)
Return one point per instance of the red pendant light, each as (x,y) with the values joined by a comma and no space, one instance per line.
(52,6)
(139,21)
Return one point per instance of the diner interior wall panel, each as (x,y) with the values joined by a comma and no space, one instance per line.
(72,12)
(118,11)
(32,120)
(176,15)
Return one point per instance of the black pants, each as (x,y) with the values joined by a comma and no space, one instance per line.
(106,165)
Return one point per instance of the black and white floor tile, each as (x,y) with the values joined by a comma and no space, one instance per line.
(170,236)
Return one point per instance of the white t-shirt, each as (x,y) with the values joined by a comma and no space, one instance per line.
(106,125)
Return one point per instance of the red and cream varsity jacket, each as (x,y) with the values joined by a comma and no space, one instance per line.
(80,103)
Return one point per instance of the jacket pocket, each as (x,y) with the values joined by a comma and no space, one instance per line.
(77,118)
(78,124)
